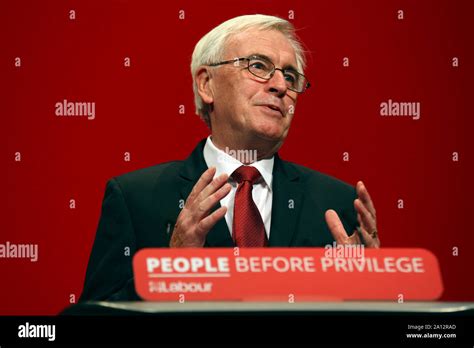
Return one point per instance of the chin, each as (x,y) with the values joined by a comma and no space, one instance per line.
(268,127)
(271,133)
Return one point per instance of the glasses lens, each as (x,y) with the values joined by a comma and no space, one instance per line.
(293,80)
(260,67)
(263,68)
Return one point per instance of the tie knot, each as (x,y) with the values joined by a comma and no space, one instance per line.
(246,173)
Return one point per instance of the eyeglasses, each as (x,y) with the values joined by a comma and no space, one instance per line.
(265,69)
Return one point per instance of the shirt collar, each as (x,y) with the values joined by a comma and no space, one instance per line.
(225,163)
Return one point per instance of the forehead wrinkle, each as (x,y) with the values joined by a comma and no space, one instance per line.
(251,38)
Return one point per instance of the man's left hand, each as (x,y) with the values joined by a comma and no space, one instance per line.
(367,232)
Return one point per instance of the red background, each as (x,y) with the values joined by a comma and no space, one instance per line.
(137,108)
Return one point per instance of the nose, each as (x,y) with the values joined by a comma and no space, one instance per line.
(277,84)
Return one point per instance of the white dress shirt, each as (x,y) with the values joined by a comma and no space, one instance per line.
(262,191)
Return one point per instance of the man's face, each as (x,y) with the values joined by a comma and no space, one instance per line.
(249,105)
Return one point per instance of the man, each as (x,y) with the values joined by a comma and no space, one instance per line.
(247,73)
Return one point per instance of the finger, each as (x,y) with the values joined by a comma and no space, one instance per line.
(203,181)
(359,219)
(356,237)
(358,230)
(370,242)
(208,222)
(206,205)
(336,227)
(366,219)
(212,187)
(365,197)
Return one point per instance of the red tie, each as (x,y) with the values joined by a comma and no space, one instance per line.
(248,229)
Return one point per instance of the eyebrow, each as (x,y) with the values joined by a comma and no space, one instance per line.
(285,67)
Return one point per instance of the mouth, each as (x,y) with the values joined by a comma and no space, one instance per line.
(273,109)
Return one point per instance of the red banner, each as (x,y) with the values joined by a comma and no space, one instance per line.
(287,274)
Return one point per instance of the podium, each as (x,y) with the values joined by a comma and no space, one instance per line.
(217,322)
(368,308)
(280,295)
(221,322)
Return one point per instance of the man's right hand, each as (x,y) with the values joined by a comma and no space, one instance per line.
(194,221)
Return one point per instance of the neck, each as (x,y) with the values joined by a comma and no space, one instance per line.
(246,151)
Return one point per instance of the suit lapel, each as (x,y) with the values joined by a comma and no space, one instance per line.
(192,169)
(287,202)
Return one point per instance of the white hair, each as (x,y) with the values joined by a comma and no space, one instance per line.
(210,49)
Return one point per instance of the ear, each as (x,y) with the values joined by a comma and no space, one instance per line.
(203,81)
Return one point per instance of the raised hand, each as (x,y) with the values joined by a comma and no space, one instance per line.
(367,232)
(194,221)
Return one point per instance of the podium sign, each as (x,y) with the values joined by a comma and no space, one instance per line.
(286,274)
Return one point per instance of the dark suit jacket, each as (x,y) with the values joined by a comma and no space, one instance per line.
(140,210)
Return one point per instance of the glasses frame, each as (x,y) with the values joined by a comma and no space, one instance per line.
(248,59)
